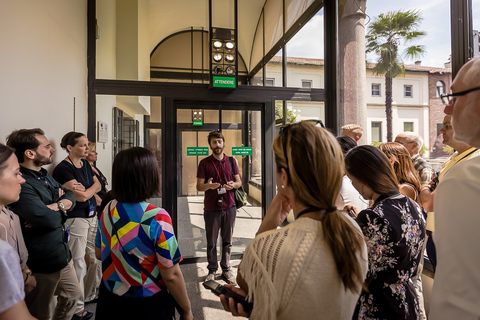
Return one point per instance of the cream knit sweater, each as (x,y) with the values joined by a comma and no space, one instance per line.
(291,274)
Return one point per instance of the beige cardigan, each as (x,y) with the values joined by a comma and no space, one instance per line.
(291,274)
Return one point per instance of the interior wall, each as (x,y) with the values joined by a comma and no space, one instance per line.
(106,69)
(43,68)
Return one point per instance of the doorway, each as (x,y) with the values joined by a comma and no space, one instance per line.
(242,129)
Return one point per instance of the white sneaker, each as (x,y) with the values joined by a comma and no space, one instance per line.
(211,276)
(229,277)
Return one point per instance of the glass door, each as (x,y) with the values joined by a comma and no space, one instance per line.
(242,132)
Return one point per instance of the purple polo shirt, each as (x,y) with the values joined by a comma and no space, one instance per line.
(221,172)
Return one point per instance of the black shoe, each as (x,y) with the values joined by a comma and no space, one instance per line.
(92,301)
(85,316)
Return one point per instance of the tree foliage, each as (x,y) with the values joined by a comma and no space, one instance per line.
(385,36)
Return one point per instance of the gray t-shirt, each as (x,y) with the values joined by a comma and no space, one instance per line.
(11,279)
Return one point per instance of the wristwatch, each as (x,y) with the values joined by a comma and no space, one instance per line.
(61,206)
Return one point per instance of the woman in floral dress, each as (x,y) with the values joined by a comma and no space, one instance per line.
(394,230)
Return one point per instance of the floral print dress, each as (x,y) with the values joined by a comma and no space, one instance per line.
(394,230)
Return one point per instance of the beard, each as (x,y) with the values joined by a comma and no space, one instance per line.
(41,160)
(217,151)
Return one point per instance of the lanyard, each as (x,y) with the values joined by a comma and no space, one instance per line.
(219,176)
(86,173)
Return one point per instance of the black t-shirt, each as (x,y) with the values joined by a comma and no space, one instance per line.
(64,172)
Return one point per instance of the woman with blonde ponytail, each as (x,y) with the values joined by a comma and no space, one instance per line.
(314,267)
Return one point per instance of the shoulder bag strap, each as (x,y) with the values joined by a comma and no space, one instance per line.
(133,259)
(233,170)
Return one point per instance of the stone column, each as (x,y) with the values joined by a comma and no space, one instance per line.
(352,68)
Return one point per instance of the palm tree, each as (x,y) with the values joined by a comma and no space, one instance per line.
(385,35)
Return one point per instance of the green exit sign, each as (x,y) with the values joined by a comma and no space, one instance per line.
(198,123)
(197,151)
(241,151)
(223,82)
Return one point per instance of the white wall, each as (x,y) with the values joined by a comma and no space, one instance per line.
(43,67)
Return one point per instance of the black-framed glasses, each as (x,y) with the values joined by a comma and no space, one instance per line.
(283,134)
(447,99)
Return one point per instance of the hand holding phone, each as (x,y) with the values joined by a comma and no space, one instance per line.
(218,289)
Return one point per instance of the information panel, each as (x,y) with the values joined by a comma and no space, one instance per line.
(241,151)
(197,151)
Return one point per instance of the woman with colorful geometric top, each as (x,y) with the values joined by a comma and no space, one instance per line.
(138,247)
(314,267)
(395,232)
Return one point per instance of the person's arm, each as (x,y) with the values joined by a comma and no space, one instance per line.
(377,242)
(31,208)
(206,186)
(276,213)
(82,196)
(173,278)
(425,199)
(18,311)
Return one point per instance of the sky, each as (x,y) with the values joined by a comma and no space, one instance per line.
(436,24)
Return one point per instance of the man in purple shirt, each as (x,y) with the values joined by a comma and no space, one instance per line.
(218,179)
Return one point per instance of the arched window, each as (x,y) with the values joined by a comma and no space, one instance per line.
(440,88)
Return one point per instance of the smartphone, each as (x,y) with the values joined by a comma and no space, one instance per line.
(218,289)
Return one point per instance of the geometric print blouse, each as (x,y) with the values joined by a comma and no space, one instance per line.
(144,231)
(394,230)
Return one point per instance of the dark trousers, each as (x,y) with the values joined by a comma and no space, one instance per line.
(223,221)
(111,306)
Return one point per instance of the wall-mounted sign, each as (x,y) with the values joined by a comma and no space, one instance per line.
(223,82)
(197,151)
(241,151)
(198,123)
(102,132)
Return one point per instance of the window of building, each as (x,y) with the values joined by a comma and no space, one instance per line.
(408,127)
(375,89)
(376,131)
(440,88)
(439,127)
(270,82)
(306,83)
(407,91)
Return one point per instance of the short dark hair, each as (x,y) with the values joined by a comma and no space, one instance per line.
(346,143)
(135,175)
(23,140)
(5,153)
(70,139)
(215,135)
(371,166)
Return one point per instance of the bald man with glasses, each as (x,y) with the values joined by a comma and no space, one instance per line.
(456,291)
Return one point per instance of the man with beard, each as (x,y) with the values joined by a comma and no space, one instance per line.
(42,206)
(214,176)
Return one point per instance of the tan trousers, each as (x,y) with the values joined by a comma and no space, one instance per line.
(63,283)
(94,266)
(78,245)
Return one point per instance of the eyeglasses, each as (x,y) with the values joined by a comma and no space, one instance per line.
(448,100)
(283,134)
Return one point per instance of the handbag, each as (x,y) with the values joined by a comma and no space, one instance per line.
(240,194)
(167,296)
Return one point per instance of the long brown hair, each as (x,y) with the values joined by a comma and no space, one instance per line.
(314,163)
(403,165)
(371,167)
